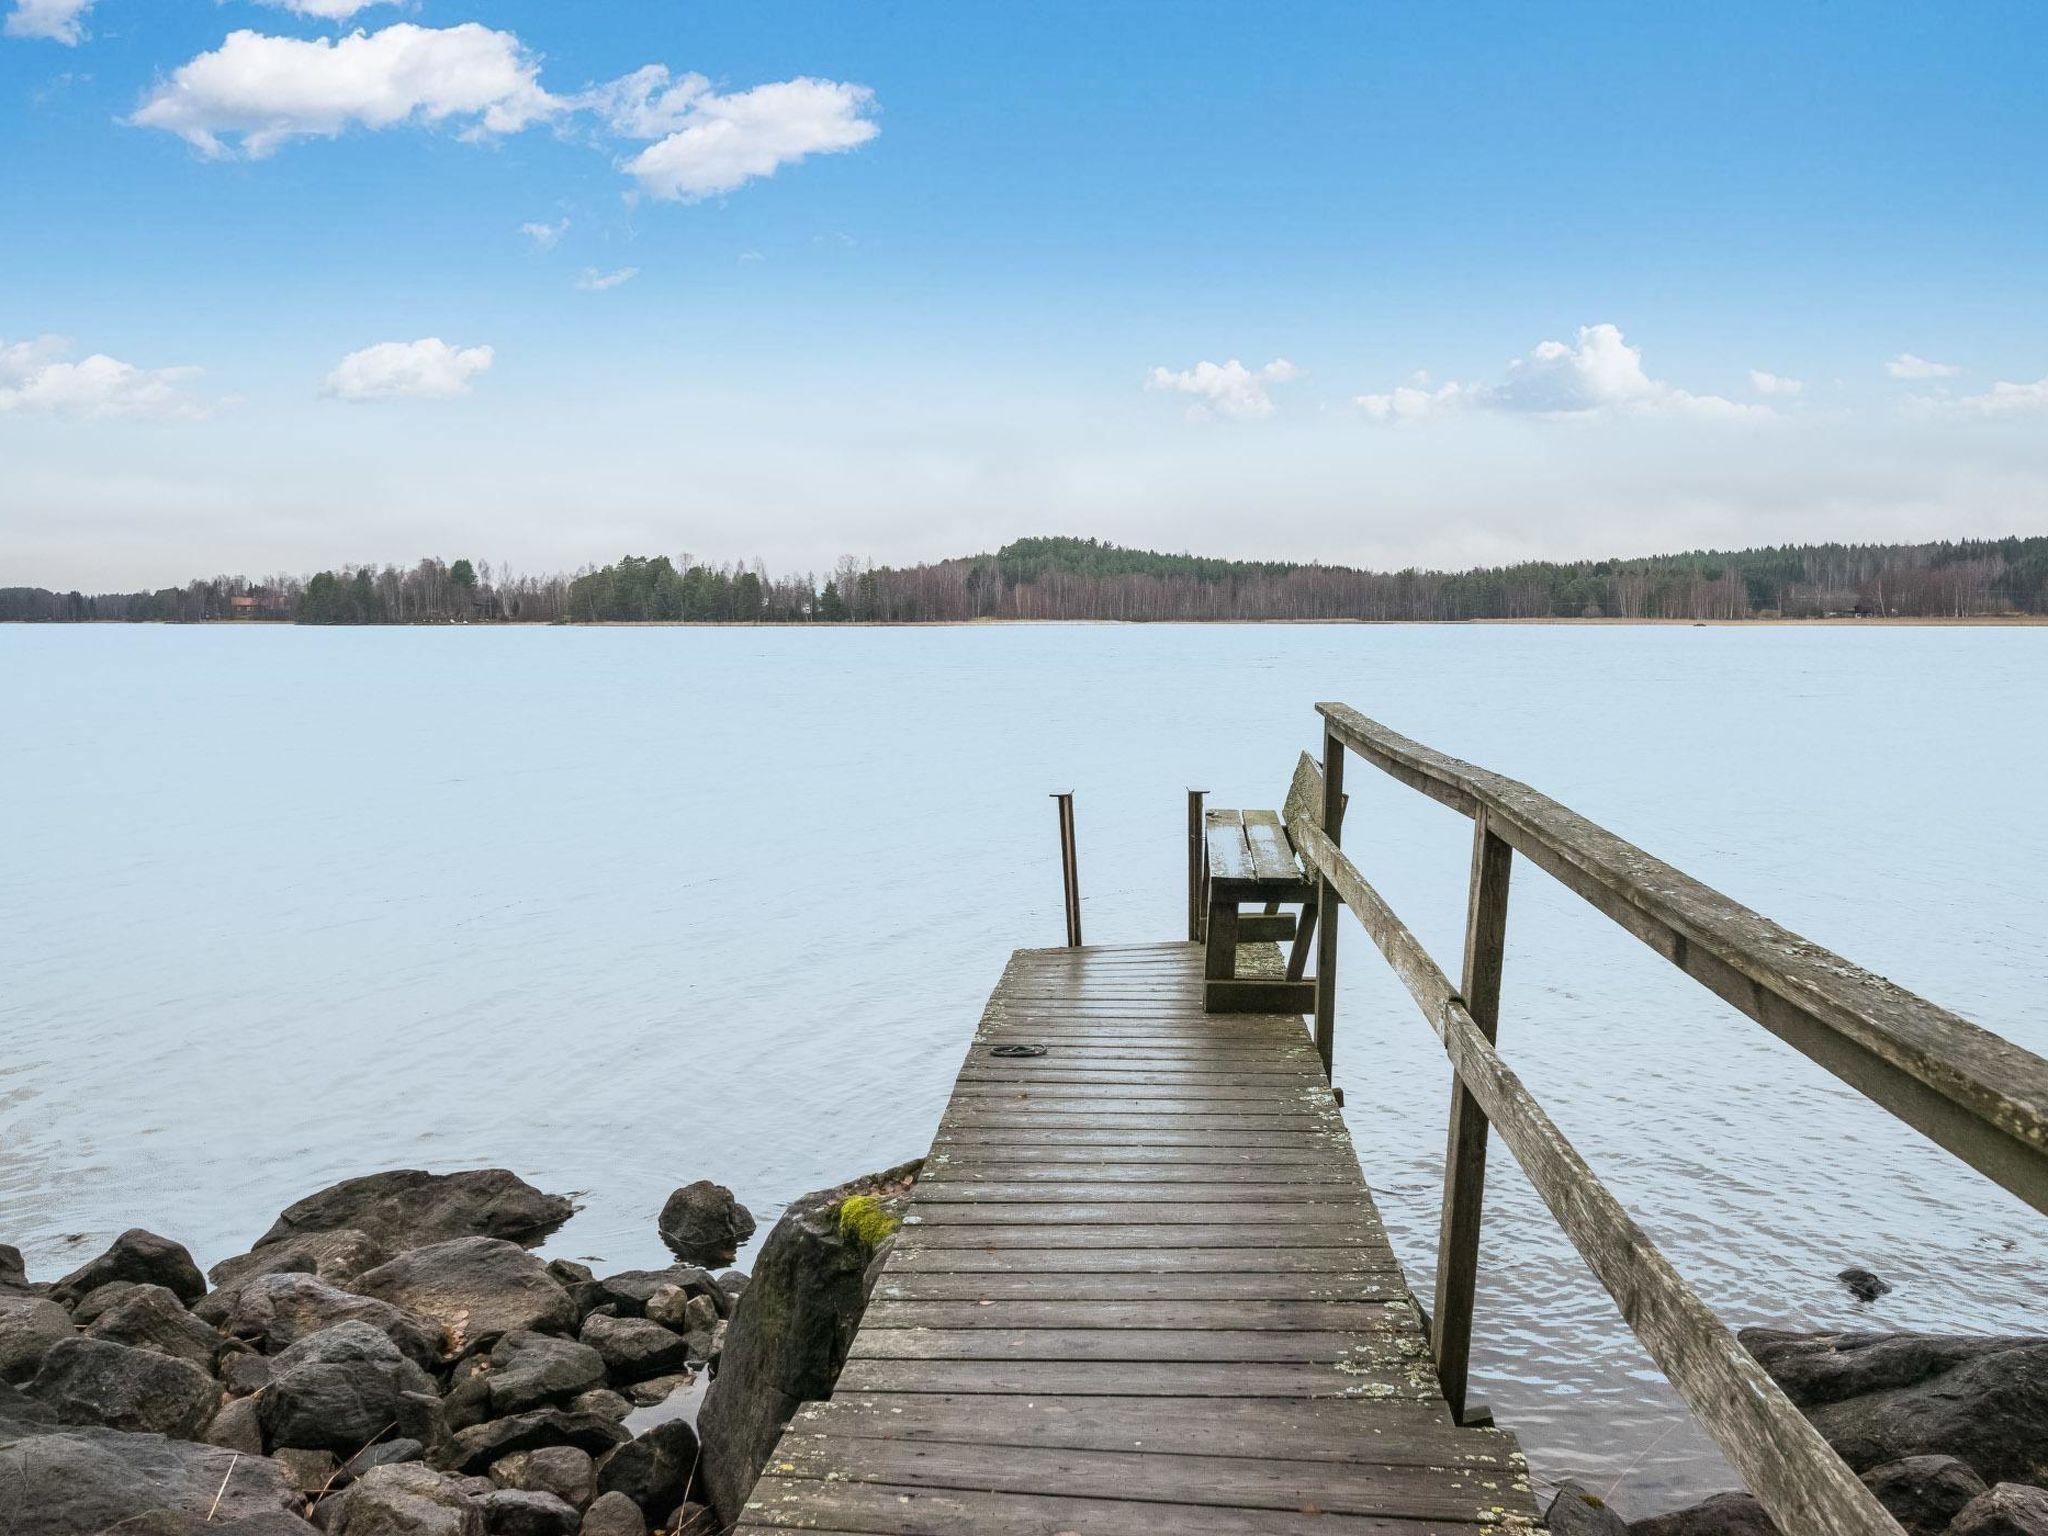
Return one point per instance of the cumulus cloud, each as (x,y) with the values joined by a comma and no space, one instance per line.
(265,90)
(712,143)
(1596,374)
(545,237)
(255,92)
(38,378)
(60,21)
(1774,384)
(1226,389)
(590,280)
(1907,366)
(325,10)
(428,369)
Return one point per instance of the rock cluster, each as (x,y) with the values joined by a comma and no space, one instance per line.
(390,1357)
(1950,1432)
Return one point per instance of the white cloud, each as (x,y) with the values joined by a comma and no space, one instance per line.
(2001,399)
(255,92)
(590,280)
(1907,366)
(1226,389)
(545,236)
(1774,384)
(325,10)
(37,378)
(715,143)
(1596,374)
(650,103)
(60,21)
(428,369)
(266,90)
(1414,400)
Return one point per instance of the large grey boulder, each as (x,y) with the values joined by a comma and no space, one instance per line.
(29,1325)
(87,1309)
(603,1402)
(150,1317)
(238,1426)
(81,1482)
(406,1500)
(91,1381)
(275,1311)
(1879,1397)
(569,1474)
(481,1446)
(476,1288)
(141,1258)
(529,1370)
(13,1273)
(633,1348)
(614,1515)
(656,1471)
(527,1512)
(410,1208)
(2009,1509)
(703,1224)
(1725,1514)
(338,1390)
(337,1256)
(793,1326)
(1924,1493)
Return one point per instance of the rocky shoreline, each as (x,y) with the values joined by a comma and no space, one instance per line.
(391,1359)
(1949,1431)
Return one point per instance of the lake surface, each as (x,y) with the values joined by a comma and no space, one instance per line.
(621,908)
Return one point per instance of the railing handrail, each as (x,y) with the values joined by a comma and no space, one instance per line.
(1973,1092)
(1791,1469)
(1979,1095)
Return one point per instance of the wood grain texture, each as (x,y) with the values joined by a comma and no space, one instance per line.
(1141,1286)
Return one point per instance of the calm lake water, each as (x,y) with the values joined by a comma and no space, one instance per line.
(622,908)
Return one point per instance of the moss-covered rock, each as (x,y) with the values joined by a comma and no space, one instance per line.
(793,1325)
(864,1219)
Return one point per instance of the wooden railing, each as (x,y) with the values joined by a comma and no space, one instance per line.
(1980,1096)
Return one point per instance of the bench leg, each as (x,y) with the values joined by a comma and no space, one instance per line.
(1219,961)
(1304,937)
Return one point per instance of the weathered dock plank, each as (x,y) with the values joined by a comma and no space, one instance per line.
(1141,1285)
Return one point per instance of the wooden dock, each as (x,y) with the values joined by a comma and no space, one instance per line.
(1141,1286)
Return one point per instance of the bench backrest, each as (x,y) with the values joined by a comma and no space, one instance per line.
(1305,796)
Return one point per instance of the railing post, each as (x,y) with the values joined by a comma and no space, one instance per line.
(1197,862)
(1327,905)
(1457,1254)
(1070,873)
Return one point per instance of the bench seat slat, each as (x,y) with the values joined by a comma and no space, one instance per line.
(1272,854)
(1230,856)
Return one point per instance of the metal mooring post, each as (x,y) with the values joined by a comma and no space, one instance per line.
(1068,869)
(1196,863)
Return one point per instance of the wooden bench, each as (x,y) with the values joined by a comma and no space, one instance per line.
(1249,858)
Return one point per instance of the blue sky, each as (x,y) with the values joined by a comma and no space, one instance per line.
(944,274)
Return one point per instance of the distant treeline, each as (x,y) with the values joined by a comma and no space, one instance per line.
(1064,578)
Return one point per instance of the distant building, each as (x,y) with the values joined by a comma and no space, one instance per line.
(262,603)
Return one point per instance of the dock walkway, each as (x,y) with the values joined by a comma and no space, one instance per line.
(1141,1287)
